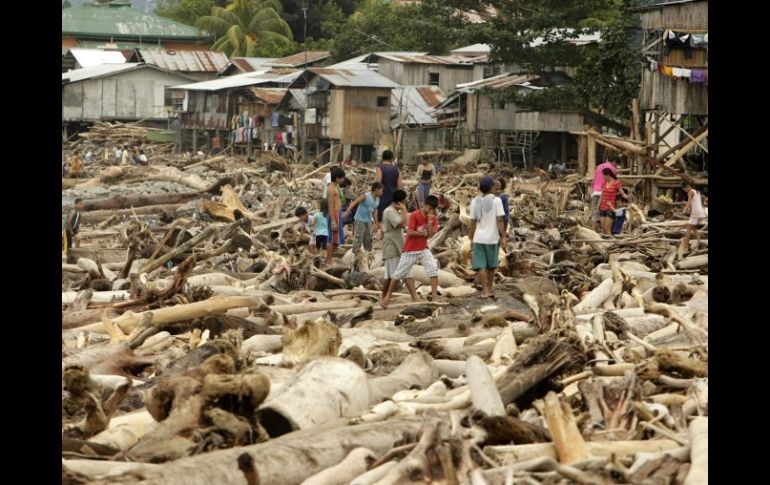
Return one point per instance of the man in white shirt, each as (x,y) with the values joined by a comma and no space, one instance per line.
(487,231)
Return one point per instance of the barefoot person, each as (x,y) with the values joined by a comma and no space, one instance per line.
(487,231)
(421,226)
(695,208)
(394,220)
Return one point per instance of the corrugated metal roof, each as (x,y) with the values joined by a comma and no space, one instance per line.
(299,95)
(417,101)
(122,21)
(662,4)
(581,39)
(241,80)
(94,57)
(475,49)
(185,61)
(500,81)
(296,60)
(418,58)
(269,95)
(358,62)
(354,78)
(98,71)
(251,64)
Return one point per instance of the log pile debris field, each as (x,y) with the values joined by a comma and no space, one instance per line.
(200,347)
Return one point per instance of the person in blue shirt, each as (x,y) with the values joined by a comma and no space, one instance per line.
(620,215)
(505,198)
(366,204)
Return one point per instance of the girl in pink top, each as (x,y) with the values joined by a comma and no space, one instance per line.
(695,208)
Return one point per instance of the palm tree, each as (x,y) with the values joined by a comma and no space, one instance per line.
(245,24)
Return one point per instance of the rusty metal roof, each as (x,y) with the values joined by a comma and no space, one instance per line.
(241,80)
(251,64)
(184,61)
(269,95)
(417,101)
(421,58)
(296,60)
(353,78)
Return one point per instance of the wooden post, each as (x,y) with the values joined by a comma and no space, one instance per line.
(582,152)
(563,148)
(195,140)
(591,155)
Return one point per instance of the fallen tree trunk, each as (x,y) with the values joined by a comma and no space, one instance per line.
(445,278)
(511,454)
(415,370)
(101,215)
(595,298)
(308,452)
(130,320)
(484,393)
(125,202)
(353,465)
(339,384)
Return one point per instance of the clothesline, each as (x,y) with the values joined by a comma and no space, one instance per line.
(694,76)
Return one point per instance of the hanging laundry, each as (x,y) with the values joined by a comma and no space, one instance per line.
(698,76)
(276,119)
(667,70)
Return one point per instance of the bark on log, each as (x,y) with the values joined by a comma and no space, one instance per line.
(483,390)
(308,452)
(339,384)
(591,235)
(416,370)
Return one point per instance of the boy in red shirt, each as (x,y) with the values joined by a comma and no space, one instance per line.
(421,226)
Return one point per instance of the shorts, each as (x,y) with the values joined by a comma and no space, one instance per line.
(485,256)
(595,216)
(320,242)
(362,235)
(694,221)
(409,259)
(391,264)
(607,213)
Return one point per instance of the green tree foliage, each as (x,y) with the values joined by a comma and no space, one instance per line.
(379,25)
(185,11)
(65,4)
(534,34)
(249,28)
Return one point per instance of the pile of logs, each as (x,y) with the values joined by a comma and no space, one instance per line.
(209,346)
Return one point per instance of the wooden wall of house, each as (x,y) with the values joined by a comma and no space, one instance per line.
(412,74)
(415,140)
(206,111)
(483,115)
(354,116)
(687,16)
(675,96)
(133,95)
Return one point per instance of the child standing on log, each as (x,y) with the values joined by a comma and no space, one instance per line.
(321,230)
(367,203)
(335,200)
(487,232)
(394,220)
(421,226)
(695,208)
(620,215)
